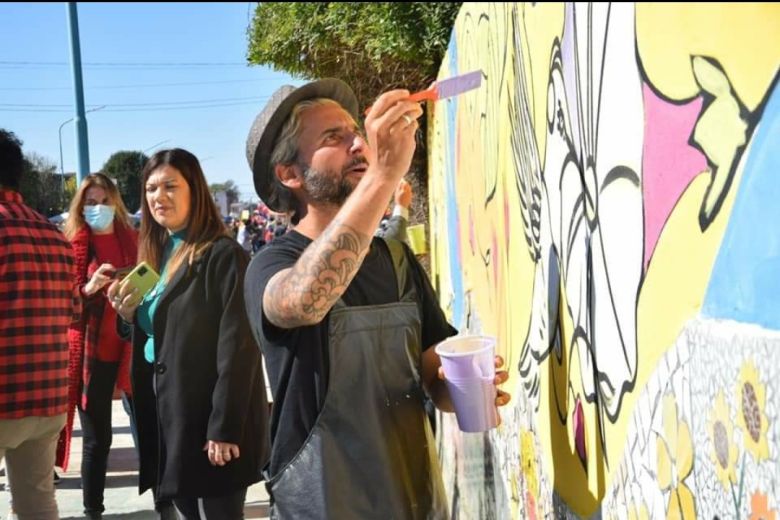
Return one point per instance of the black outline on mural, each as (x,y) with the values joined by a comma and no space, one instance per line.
(751,118)
(531,198)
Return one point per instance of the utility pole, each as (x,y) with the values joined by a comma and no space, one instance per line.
(78,91)
(62,167)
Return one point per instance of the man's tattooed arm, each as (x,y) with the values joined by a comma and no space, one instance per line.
(303,294)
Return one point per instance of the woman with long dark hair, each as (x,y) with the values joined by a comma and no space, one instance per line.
(200,402)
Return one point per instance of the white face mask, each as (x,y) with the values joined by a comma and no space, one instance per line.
(99,216)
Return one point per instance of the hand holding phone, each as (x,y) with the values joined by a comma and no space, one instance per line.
(125,295)
(141,277)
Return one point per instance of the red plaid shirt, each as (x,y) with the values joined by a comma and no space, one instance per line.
(37,303)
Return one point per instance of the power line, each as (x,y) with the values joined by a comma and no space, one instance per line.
(178,108)
(33,110)
(14,63)
(157,109)
(183,84)
(159,103)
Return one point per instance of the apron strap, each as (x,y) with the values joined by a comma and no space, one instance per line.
(406,290)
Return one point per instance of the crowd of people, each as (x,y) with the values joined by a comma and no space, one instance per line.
(258,230)
(322,288)
(264,225)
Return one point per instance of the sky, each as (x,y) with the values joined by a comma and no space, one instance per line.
(160,75)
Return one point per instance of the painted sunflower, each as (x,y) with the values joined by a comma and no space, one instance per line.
(751,396)
(675,462)
(724,452)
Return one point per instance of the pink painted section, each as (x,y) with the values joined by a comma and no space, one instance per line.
(669,163)
(578,428)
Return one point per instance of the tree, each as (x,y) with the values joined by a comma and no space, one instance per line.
(373,47)
(230,189)
(125,168)
(40,187)
(69,189)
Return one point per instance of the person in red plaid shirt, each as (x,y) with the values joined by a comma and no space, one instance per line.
(37,297)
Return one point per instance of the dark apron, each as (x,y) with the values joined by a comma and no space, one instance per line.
(371,453)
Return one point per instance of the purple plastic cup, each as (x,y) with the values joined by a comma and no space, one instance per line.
(469,371)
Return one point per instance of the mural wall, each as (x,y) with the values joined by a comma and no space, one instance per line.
(607,205)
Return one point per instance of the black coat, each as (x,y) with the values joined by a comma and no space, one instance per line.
(208,378)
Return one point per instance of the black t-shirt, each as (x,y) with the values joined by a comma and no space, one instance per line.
(297,359)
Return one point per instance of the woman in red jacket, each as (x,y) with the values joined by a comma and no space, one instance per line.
(104,243)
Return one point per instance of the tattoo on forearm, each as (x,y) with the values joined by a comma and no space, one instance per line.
(319,278)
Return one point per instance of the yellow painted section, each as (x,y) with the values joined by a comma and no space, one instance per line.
(743,37)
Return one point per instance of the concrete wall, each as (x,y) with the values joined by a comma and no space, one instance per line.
(607,205)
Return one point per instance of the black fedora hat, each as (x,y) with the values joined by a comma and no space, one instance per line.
(269,122)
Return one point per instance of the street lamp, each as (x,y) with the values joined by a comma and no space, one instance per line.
(62,169)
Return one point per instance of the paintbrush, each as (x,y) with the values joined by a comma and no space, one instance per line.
(447,88)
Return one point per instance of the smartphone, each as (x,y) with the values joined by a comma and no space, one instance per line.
(142,277)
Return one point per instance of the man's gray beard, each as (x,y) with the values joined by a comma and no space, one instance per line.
(326,187)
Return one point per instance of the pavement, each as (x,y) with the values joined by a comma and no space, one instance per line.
(121,497)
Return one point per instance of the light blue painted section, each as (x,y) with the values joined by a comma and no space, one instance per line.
(453,237)
(745,281)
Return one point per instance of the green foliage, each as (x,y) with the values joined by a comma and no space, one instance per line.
(40,187)
(30,186)
(70,187)
(373,47)
(125,167)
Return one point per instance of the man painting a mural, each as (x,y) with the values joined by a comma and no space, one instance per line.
(596,200)
(346,322)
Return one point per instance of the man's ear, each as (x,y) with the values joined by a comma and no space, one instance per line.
(288,175)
